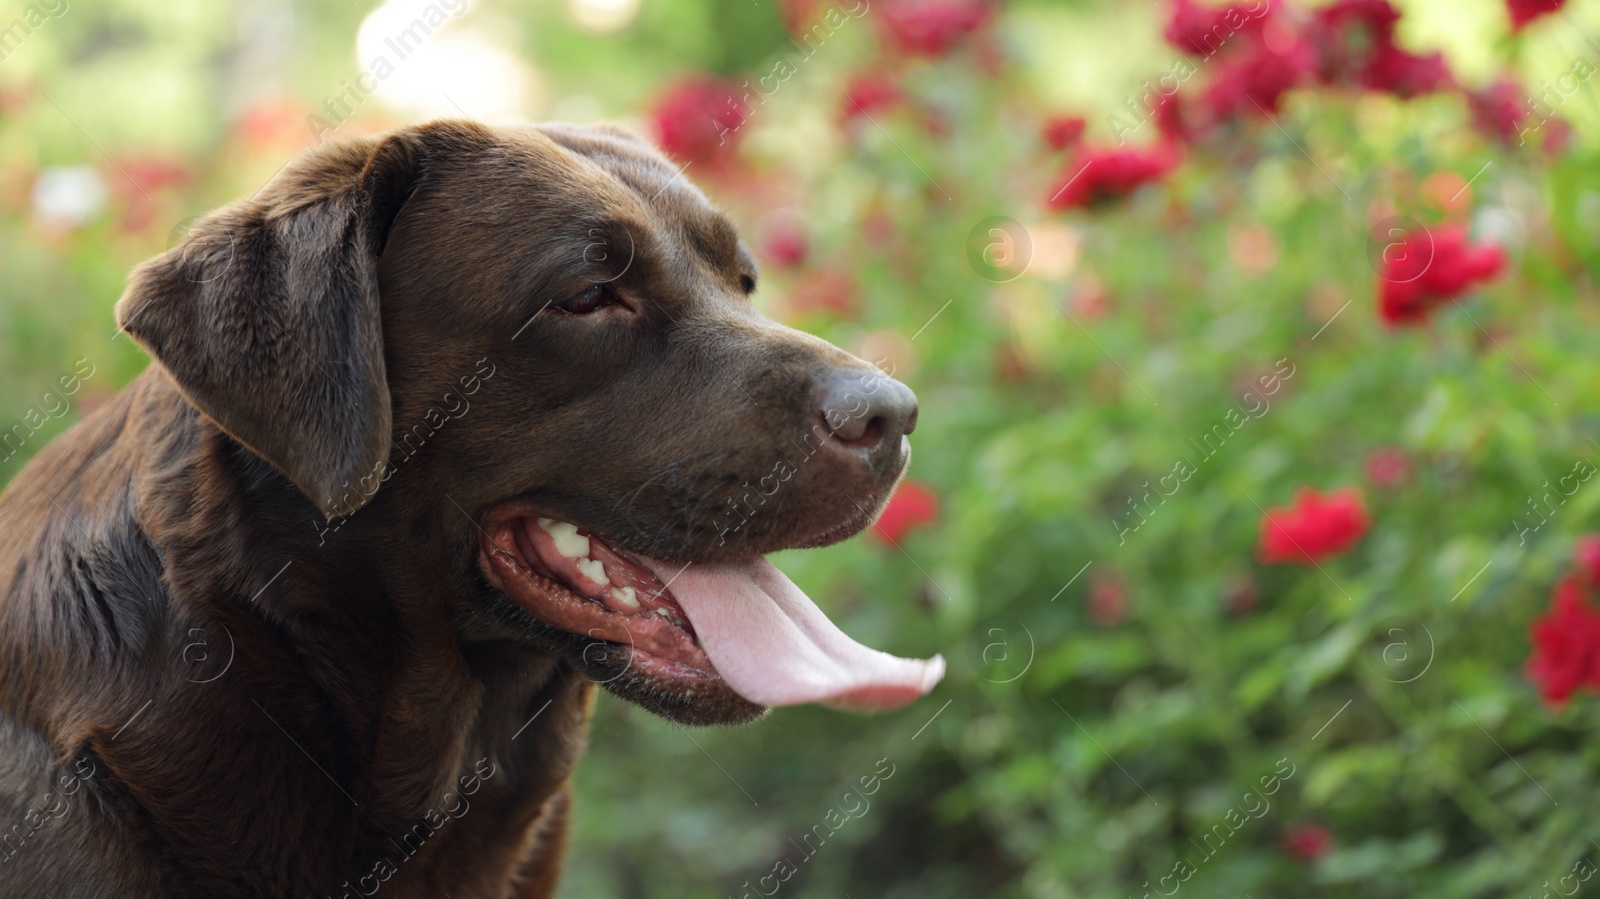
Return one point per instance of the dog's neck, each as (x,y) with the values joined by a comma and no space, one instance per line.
(377,613)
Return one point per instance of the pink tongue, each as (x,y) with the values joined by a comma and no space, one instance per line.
(774,647)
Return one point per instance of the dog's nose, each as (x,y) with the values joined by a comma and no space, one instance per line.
(867,410)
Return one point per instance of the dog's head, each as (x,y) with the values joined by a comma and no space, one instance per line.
(549,329)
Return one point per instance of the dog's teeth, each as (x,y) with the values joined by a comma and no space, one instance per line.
(568,541)
(593,569)
(626,595)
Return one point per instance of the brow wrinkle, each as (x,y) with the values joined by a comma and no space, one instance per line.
(716,240)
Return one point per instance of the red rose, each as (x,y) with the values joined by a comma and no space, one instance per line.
(1089,299)
(825,290)
(1586,555)
(1099,175)
(1241,594)
(1347,35)
(932,27)
(1205,30)
(879,229)
(1388,466)
(1257,80)
(786,246)
(1063,132)
(1406,74)
(1566,644)
(144,178)
(699,118)
(1525,11)
(1429,268)
(272,125)
(799,15)
(1174,119)
(911,507)
(1376,17)
(1499,110)
(1354,43)
(1557,135)
(1308,842)
(935,123)
(1318,526)
(1108,600)
(1010,364)
(151,175)
(867,94)
(15,101)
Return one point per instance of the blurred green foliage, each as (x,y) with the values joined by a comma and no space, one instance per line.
(1110,697)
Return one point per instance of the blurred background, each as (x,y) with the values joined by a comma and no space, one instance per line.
(1256,353)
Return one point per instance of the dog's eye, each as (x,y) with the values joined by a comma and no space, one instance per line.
(594,298)
(748,283)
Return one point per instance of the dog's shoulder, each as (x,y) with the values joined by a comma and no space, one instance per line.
(81,600)
(76,571)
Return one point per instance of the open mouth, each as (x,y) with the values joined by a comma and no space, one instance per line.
(742,624)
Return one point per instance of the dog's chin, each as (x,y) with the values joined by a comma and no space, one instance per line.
(860,519)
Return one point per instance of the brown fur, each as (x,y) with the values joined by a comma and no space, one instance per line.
(207,689)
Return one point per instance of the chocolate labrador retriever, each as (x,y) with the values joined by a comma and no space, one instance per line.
(446,427)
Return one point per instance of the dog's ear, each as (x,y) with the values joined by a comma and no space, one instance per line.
(267,317)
